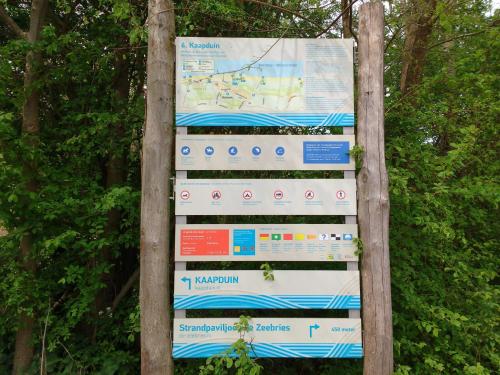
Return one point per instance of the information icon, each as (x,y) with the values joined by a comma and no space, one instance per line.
(233,150)
(280,151)
(256,150)
(209,150)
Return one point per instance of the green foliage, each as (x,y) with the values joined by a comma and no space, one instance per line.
(442,158)
(268,271)
(357,152)
(359,246)
(237,358)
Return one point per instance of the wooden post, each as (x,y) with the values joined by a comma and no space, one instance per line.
(156,350)
(373,206)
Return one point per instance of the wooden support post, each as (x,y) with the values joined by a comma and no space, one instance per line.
(373,196)
(154,295)
(351,219)
(180,219)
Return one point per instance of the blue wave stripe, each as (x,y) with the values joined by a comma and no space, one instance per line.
(274,350)
(264,119)
(265,302)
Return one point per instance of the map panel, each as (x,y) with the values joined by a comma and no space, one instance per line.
(264,82)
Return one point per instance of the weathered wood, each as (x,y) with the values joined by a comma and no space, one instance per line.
(373,196)
(156,350)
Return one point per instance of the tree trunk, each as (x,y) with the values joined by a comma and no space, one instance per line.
(418,29)
(115,176)
(346,19)
(373,207)
(23,354)
(156,351)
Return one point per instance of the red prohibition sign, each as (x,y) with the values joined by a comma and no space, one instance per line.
(309,194)
(340,194)
(278,194)
(247,194)
(216,195)
(185,195)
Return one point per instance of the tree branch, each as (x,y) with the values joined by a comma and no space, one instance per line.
(394,35)
(346,9)
(456,37)
(124,290)
(11,24)
(285,10)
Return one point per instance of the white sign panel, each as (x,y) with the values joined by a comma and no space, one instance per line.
(265,242)
(250,290)
(265,197)
(264,82)
(264,152)
(270,337)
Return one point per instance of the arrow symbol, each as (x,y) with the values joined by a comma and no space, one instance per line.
(311,327)
(187,280)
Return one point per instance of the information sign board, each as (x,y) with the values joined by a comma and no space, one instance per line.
(264,152)
(264,82)
(265,242)
(270,337)
(265,197)
(216,289)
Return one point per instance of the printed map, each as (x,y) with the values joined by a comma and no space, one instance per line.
(212,86)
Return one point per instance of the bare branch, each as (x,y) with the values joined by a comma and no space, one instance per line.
(344,11)
(285,10)
(124,290)
(394,35)
(248,66)
(456,37)
(11,24)
(43,357)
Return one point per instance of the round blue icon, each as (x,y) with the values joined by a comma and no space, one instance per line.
(280,151)
(256,150)
(185,150)
(209,150)
(233,150)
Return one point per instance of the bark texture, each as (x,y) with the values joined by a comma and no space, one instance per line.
(23,354)
(346,18)
(418,29)
(156,351)
(373,200)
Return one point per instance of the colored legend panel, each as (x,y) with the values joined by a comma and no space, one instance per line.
(270,337)
(264,152)
(265,242)
(238,289)
(204,242)
(244,242)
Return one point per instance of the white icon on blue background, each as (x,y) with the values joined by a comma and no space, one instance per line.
(185,150)
(209,150)
(256,150)
(280,151)
(233,150)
